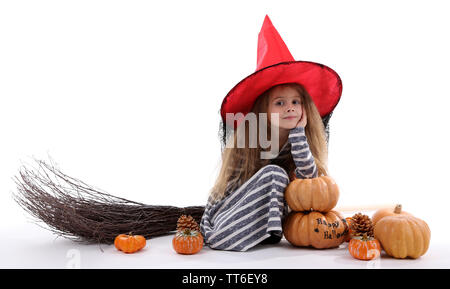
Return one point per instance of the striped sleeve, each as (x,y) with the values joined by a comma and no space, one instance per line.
(303,159)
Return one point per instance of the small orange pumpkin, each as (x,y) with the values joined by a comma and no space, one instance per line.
(381,213)
(129,243)
(364,249)
(350,231)
(187,242)
(316,194)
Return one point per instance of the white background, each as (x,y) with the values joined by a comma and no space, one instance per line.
(125,95)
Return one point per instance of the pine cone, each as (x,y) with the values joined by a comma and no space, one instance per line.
(362,226)
(187,222)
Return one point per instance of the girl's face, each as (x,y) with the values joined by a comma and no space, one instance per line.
(287,103)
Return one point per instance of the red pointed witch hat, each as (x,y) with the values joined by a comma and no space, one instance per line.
(275,65)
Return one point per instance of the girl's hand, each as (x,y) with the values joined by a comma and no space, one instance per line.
(303,120)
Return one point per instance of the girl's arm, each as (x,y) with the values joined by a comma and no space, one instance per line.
(303,159)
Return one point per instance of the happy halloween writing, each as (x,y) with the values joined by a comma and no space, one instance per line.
(334,225)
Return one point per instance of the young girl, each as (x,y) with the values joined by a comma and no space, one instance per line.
(246,205)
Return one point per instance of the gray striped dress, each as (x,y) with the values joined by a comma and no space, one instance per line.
(250,212)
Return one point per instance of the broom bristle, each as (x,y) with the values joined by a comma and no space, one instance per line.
(80,212)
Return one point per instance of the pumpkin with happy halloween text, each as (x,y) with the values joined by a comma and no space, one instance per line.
(316,229)
(315,194)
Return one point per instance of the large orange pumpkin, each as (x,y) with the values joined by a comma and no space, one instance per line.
(381,213)
(403,236)
(316,194)
(129,243)
(319,230)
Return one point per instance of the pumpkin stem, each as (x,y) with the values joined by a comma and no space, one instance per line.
(398,209)
(363,238)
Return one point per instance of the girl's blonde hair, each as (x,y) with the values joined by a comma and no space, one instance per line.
(240,164)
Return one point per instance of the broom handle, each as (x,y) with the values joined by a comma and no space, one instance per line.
(359,208)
